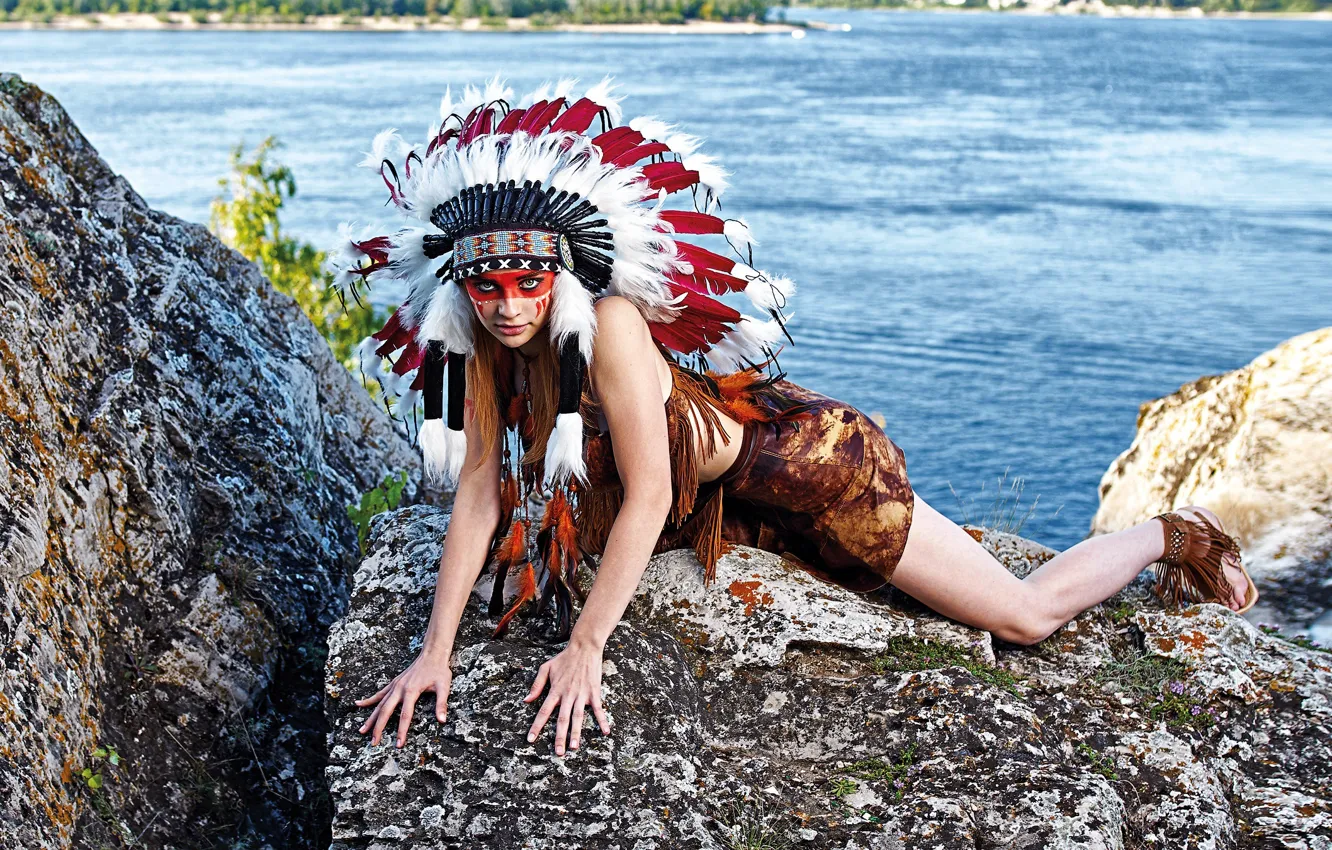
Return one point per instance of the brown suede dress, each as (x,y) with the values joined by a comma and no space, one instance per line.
(815,481)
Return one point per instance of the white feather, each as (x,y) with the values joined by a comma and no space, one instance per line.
(651,128)
(366,359)
(443,451)
(407,402)
(448,319)
(769,293)
(750,340)
(737,231)
(386,145)
(600,94)
(572,312)
(710,174)
(564,450)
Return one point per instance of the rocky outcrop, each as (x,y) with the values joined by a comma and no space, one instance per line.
(177,451)
(1255,446)
(771,707)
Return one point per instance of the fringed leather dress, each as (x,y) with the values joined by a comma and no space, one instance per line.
(815,481)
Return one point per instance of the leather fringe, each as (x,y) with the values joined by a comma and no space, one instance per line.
(705,534)
(1192,568)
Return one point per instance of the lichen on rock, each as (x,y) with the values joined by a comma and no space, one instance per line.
(769,704)
(177,450)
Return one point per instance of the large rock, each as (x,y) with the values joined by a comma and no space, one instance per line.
(773,704)
(1255,446)
(177,451)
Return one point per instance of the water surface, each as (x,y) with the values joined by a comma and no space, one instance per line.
(1007,232)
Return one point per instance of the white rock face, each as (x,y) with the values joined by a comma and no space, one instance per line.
(178,448)
(1255,446)
(776,709)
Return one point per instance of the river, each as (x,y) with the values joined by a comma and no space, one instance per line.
(1007,231)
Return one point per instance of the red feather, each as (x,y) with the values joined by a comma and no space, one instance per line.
(410,358)
(391,327)
(577,118)
(546,116)
(616,141)
(684,221)
(639,152)
(510,122)
(533,113)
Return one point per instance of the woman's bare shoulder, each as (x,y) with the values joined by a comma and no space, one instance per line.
(621,330)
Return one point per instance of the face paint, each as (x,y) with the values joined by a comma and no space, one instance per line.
(495,286)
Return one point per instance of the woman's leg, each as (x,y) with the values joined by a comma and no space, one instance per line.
(943,567)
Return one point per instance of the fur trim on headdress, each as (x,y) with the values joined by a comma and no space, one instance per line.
(448,318)
(573,313)
(564,451)
(444,451)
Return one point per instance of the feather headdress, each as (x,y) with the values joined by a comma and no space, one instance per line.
(505,184)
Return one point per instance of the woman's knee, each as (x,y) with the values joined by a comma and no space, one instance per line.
(1026,628)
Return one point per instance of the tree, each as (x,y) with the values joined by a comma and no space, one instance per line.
(248,221)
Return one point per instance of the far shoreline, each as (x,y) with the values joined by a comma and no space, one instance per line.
(184,22)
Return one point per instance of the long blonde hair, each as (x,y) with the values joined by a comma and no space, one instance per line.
(484,383)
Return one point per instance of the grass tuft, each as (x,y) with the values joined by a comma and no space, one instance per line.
(909,654)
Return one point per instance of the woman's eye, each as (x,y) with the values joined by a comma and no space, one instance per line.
(530,284)
(484,285)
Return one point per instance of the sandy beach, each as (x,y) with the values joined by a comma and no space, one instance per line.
(404,23)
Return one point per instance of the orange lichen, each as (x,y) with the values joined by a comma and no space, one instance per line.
(1165,644)
(744,591)
(1195,640)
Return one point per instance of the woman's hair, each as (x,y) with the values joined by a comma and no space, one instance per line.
(485,377)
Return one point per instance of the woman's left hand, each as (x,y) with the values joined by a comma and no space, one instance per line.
(574,676)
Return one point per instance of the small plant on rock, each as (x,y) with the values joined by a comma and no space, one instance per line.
(385,497)
(748,825)
(897,774)
(910,654)
(1100,763)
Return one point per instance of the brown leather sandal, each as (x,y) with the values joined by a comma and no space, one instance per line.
(1191,570)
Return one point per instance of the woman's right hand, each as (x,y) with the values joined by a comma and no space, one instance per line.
(426,673)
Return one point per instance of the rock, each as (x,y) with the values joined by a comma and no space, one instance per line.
(771,706)
(179,449)
(1254,446)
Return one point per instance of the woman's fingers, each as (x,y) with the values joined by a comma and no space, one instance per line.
(562,726)
(541,678)
(385,712)
(405,715)
(441,699)
(374,698)
(599,713)
(576,722)
(542,715)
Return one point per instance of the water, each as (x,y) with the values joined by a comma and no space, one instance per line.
(1008,232)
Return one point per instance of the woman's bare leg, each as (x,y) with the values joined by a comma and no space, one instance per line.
(943,567)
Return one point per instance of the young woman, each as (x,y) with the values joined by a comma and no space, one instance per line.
(552,287)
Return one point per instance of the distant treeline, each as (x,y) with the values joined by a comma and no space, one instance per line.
(540,11)
(1205,5)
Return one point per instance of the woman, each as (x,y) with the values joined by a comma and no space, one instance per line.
(553,287)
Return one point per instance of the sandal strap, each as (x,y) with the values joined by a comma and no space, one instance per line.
(1191,568)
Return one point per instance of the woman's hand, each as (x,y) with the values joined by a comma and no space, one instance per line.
(575,681)
(426,673)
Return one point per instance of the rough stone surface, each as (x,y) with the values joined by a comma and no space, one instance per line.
(177,451)
(1255,446)
(757,705)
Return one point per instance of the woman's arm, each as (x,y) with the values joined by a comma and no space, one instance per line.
(626,377)
(472,525)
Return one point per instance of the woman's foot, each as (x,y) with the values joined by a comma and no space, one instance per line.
(1229,563)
